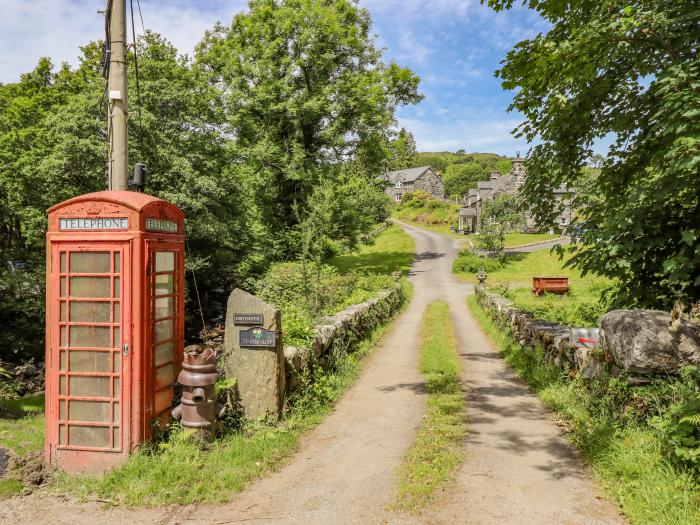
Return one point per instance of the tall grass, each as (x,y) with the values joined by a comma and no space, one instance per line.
(625,453)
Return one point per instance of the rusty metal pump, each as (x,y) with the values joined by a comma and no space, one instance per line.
(198,408)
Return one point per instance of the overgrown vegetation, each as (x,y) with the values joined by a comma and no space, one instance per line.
(180,470)
(438,447)
(628,70)
(421,209)
(499,216)
(629,434)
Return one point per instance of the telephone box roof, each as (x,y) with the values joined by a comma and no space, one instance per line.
(131,199)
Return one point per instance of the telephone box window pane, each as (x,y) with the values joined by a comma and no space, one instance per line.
(62,385)
(164,330)
(95,336)
(97,411)
(117,262)
(164,376)
(164,353)
(115,413)
(89,312)
(63,312)
(90,262)
(117,362)
(62,434)
(117,287)
(63,336)
(163,400)
(62,410)
(89,362)
(117,385)
(117,338)
(89,386)
(117,312)
(115,434)
(89,287)
(62,363)
(63,286)
(165,261)
(63,262)
(89,436)
(165,307)
(164,284)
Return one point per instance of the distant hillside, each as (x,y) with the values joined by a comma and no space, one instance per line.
(461,171)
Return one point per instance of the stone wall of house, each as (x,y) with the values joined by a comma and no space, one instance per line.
(430,182)
(341,332)
(644,343)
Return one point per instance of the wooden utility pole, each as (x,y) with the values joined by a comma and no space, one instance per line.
(117,89)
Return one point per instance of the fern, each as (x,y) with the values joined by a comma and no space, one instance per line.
(693,420)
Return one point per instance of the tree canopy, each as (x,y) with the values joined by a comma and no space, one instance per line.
(630,71)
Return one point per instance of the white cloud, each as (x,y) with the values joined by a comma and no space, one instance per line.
(30,29)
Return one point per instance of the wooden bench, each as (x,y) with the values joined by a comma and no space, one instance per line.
(558,285)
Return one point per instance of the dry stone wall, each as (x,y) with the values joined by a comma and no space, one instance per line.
(644,343)
(341,332)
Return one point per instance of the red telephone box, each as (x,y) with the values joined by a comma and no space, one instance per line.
(114,324)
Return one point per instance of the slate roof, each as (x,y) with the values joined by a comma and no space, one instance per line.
(406,175)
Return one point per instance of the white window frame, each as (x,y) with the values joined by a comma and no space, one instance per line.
(398,184)
(398,197)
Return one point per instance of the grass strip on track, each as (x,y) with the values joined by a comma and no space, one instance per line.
(627,460)
(438,448)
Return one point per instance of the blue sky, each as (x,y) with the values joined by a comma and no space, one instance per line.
(454,45)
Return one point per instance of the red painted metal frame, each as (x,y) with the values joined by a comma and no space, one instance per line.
(135,244)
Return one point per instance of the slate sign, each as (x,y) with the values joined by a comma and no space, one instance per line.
(257,337)
(250,319)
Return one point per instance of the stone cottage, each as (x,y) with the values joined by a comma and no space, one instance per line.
(403,181)
(510,184)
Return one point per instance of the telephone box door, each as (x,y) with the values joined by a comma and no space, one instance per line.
(90,317)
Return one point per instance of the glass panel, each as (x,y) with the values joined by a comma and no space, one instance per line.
(63,262)
(117,362)
(63,287)
(117,287)
(62,361)
(164,376)
(89,262)
(163,399)
(117,312)
(97,336)
(89,287)
(115,413)
(117,262)
(116,387)
(62,409)
(62,434)
(165,261)
(89,362)
(87,312)
(63,336)
(164,353)
(89,386)
(63,312)
(164,284)
(164,307)
(164,330)
(89,436)
(62,385)
(115,435)
(117,337)
(89,411)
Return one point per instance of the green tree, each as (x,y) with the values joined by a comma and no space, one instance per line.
(304,88)
(629,70)
(401,151)
(501,215)
(460,178)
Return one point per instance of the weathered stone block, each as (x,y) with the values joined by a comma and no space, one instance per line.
(259,371)
(642,342)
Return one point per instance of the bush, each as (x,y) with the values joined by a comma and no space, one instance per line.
(22,310)
(469,262)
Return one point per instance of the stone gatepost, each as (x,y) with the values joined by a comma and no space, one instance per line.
(254,355)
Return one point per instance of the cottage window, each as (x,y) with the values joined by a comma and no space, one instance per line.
(398,183)
(398,197)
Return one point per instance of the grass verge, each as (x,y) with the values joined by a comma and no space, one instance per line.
(438,447)
(181,471)
(391,251)
(627,456)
